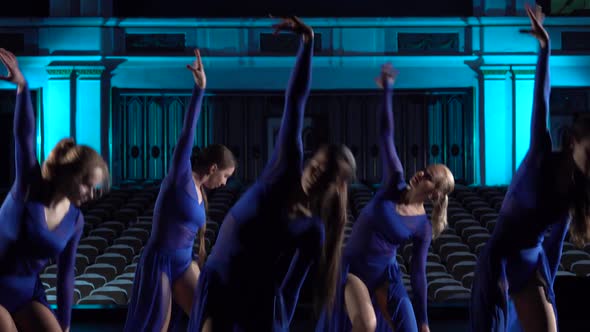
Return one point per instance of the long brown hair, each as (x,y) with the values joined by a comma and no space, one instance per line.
(332,207)
(580,207)
(201,162)
(69,162)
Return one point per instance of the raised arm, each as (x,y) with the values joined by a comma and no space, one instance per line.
(540,137)
(65,276)
(392,171)
(24,127)
(181,163)
(421,242)
(288,150)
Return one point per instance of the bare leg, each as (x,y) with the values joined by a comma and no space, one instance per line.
(535,313)
(166,295)
(36,317)
(208,326)
(358,305)
(184,288)
(381,297)
(6,322)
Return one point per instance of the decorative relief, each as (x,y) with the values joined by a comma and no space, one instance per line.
(60,72)
(155,43)
(524,72)
(433,42)
(90,71)
(498,72)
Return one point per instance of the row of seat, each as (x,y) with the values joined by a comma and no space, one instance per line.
(118,225)
(471,214)
(111,246)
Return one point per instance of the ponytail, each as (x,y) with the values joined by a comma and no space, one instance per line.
(439,216)
(202,231)
(444,184)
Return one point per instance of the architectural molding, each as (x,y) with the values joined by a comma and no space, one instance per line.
(91,71)
(60,72)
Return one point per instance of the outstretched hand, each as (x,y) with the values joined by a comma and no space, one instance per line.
(198,71)
(14,74)
(294,24)
(537,17)
(387,77)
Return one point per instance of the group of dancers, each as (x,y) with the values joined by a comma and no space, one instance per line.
(288,226)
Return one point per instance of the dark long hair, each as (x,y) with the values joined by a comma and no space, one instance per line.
(580,207)
(201,161)
(332,207)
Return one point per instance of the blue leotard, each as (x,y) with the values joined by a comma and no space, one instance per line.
(178,215)
(26,243)
(245,284)
(370,253)
(517,250)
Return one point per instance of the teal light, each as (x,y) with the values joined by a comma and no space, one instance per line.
(523,104)
(90,306)
(39,139)
(477,180)
(498,127)
(110,131)
(88,113)
(56,114)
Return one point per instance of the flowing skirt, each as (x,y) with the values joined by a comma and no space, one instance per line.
(399,306)
(156,273)
(497,275)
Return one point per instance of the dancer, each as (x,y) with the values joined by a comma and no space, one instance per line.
(274,234)
(548,190)
(40,218)
(166,276)
(374,294)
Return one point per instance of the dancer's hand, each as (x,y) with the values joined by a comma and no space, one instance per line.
(537,17)
(198,71)
(295,25)
(14,74)
(387,77)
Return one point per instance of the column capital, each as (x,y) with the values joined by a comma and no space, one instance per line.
(89,71)
(524,72)
(494,72)
(59,72)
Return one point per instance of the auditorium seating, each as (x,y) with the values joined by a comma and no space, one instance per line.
(119,223)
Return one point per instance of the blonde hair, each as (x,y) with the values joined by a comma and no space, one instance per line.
(444,185)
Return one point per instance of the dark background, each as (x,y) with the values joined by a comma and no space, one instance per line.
(261,8)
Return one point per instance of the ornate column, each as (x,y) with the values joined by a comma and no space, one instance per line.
(59,102)
(524,85)
(497,120)
(89,106)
